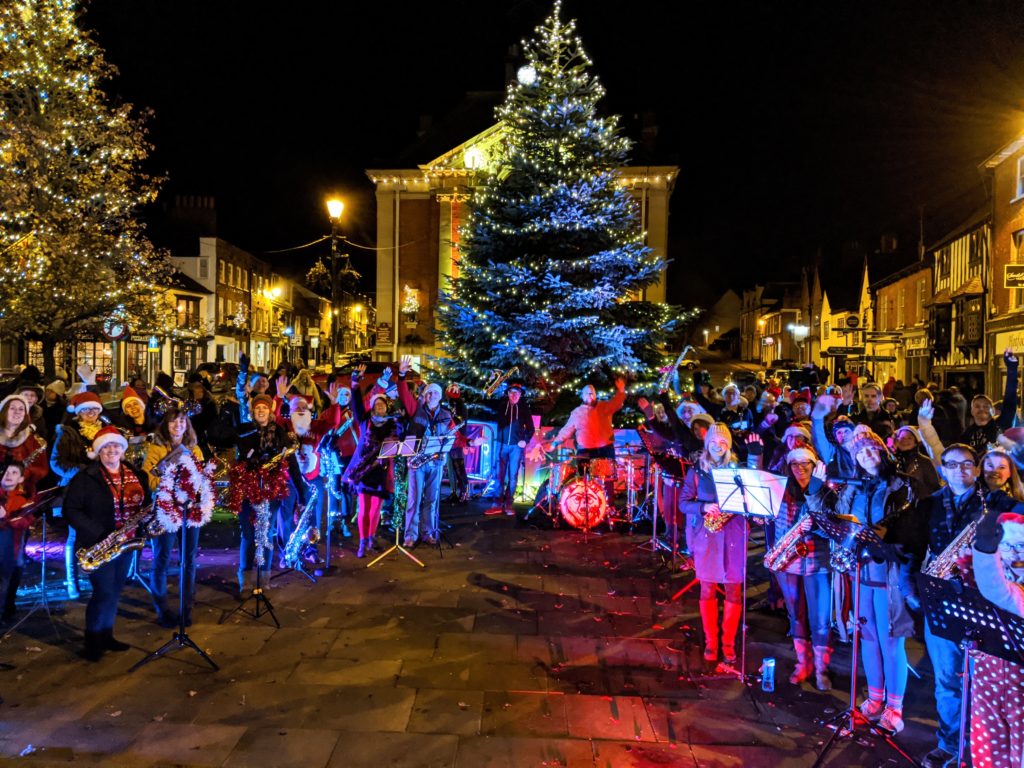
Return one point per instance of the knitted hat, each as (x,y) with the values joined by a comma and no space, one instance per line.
(58,386)
(106,436)
(718,430)
(430,388)
(84,400)
(266,400)
(867,439)
(801,454)
(702,418)
(375,397)
(128,395)
(911,429)
(797,430)
(841,422)
(9,398)
(1013,528)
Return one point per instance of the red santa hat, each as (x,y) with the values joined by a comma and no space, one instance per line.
(1013,528)
(128,395)
(84,400)
(104,437)
(804,394)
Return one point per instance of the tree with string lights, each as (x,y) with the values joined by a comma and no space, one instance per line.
(72,253)
(552,261)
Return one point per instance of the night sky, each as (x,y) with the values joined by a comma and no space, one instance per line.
(797,126)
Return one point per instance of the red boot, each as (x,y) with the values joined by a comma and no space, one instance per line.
(730,625)
(709,621)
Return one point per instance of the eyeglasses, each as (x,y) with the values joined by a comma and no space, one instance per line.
(804,464)
(961,465)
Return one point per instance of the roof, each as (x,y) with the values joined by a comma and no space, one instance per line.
(183,282)
(910,269)
(1003,153)
(942,297)
(972,287)
(980,216)
(471,116)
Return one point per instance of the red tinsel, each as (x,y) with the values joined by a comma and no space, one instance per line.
(245,485)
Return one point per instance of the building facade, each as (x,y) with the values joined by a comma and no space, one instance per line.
(898,343)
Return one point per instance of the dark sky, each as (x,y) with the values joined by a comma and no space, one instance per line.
(795,125)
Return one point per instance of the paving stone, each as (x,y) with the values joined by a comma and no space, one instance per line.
(731,756)
(455,712)
(608,717)
(434,673)
(198,745)
(287,748)
(478,645)
(378,672)
(367,710)
(396,750)
(515,752)
(631,754)
(271,705)
(524,714)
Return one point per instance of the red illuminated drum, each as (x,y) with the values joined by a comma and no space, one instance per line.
(583,503)
(602,468)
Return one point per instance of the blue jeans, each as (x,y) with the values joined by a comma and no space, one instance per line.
(948,662)
(162,546)
(885,657)
(808,604)
(422,516)
(510,457)
(339,509)
(247,546)
(107,582)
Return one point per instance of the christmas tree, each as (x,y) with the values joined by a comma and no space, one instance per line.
(72,253)
(553,260)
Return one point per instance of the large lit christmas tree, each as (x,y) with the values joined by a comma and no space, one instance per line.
(72,253)
(553,259)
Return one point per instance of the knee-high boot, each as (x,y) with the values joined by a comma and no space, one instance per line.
(731,617)
(804,664)
(822,656)
(709,621)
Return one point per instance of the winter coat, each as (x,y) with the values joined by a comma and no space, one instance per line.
(23,445)
(365,472)
(89,504)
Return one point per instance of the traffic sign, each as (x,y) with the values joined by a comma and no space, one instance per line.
(843,351)
(879,358)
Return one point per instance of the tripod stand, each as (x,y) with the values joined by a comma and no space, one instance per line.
(389,450)
(180,638)
(263,604)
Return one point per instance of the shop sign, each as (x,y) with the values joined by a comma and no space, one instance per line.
(1013,276)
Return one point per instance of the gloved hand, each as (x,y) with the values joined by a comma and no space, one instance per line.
(86,374)
(988,534)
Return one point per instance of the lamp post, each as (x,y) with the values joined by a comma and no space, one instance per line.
(334,210)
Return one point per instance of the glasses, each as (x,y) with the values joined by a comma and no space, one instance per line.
(961,465)
(804,464)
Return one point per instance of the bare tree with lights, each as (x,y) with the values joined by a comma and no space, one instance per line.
(553,260)
(72,253)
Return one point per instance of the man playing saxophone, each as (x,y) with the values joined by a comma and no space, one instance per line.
(104,498)
(951,515)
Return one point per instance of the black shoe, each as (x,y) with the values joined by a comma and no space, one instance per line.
(94,647)
(111,644)
(938,758)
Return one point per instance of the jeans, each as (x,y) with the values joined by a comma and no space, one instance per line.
(668,508)
(948,662)
(808,604)
(422,516)
(458,481)
(510,457)
(885,657)
(340,507)
(247,546)
(162,546)
(107,582)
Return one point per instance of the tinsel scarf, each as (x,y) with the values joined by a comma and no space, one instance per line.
(256,485)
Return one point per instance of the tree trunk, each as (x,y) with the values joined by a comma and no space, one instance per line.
(49,362)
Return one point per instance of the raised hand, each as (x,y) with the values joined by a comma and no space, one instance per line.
(620,383)
(642,403)
(926,410)
(360,370)
(820,471)
(282,385)
(822,406)
(404,365)
(1009,357)
(332,391)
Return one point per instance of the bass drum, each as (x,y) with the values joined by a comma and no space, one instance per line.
(583,503)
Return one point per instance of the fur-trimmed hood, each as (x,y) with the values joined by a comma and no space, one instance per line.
(19,438)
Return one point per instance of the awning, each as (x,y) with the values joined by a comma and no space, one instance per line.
(942,297)
(972,287)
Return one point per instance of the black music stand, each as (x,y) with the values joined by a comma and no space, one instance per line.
(180,638)
(391,449)
(438,447)
(856,537)
(963,615)
(263,604)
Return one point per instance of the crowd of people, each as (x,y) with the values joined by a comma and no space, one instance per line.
(917,473)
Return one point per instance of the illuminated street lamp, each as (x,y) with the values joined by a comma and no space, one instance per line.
(705,338)
(334,211)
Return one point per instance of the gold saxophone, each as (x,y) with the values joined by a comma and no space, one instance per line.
(124,539)
(716,522)
(278,458)
(946,565)
(788,547)
(498,379)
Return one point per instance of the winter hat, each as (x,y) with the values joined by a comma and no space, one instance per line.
(867,439)
(104,437)
(797,430)
(430,388)
(9,398)
(1013,528)
(84,400)
(128,395)
(911,429)
(702,418)
(266,400)
(718,430)
(58,386)
(841,422)
(804,394)
(375,397)
(801,454)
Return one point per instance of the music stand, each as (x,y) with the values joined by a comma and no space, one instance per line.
(666,460)
(854,536)
(963,615)
(180,638)
(391,449)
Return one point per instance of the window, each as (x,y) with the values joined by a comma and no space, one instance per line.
(1020,177)
(901,309)
(204,269)
(220,271)
(220,310)
(828,331)
(939,328)
(187,308)
(883,320)
(974,248)
(922,292)
(231,275)
(969,322)
(944,262)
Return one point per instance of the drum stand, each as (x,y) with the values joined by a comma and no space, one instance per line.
(43,601)
(547,501)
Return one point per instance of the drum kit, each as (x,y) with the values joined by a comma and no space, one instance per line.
(578,485)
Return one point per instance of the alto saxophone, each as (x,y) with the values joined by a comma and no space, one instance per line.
(124,539)
(788,547)
(306,532)
(498,379)
(946,565)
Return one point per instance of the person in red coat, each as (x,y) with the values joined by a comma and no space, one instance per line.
(12,531)
(19,441)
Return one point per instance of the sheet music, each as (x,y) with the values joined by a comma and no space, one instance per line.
(748,491)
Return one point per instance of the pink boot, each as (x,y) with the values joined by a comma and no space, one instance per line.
(731,618)
(709,620)
(804,663)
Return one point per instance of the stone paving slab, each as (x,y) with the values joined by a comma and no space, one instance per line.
(517,752)
(439,711)
(397,750)
(287,747)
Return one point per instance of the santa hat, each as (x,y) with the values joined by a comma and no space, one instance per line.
(804,394)
(294,401)
(84,400)
(106,436)
(375,397)
(128,395)
(427,389)
(266,400)
(1013,528)
(9,398)
(797,430)
(718,430)
(801,454)
(867,439)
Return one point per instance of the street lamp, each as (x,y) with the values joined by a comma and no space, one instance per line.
(334,210)
(705,338)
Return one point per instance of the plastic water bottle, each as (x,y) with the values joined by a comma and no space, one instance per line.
(768,674)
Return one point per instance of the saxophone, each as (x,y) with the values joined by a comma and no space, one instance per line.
(789,546)
(716,522)
(667,377)
(499,378)
(946,565)
(306,532)
(124,539)
(35,454)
